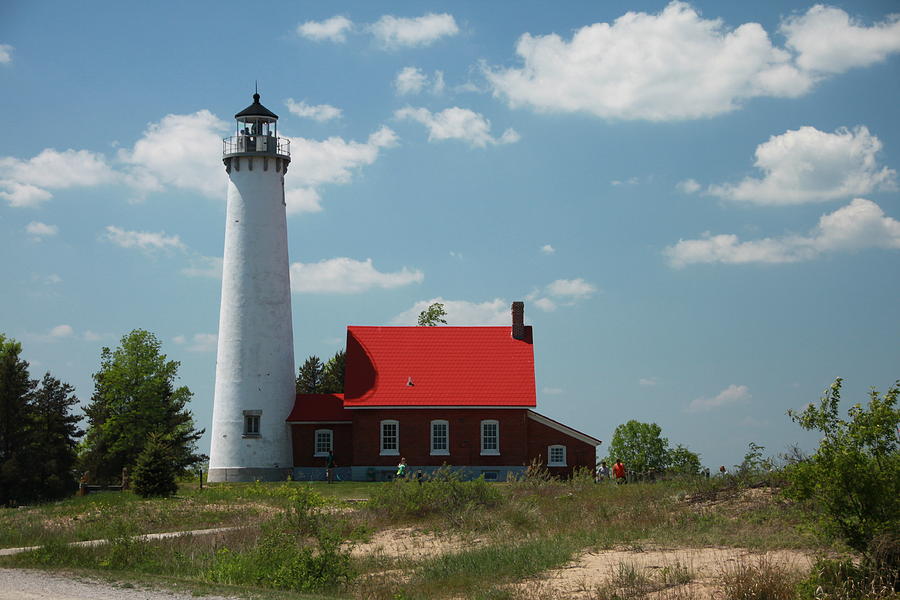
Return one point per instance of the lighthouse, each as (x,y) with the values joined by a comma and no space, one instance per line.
(254,390)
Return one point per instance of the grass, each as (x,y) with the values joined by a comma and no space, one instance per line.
(298,536)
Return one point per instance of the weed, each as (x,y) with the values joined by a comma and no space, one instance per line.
(762,580)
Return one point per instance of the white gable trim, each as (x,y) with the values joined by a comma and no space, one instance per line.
(563,429)
(319,422)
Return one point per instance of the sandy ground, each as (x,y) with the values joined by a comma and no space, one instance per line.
(408,542)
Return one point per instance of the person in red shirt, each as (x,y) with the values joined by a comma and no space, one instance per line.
(619,472)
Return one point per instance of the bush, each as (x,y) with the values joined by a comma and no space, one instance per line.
(156,472)
(845,580)
(853,479)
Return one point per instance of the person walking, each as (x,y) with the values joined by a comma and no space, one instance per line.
(619,472)
(602,472)
(401,469)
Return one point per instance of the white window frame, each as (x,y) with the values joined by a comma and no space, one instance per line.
(390,451)
(252,423)
(445,451)
(556,463)
(490,451)
(330,445)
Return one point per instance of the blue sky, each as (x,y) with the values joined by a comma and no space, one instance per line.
(697,201)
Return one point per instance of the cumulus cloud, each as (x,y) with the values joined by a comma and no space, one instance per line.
(26,182)
(565,292)
(688,186)
(143,240)
(317,112)
(332,30)
(733,394)
(548,249)
(808,165)
(395,32)
(55,334)
(828,40)
(5,54)
(461,312)
(40,230)
(648,381)
(199,342)
(183,151)
(412,80)
(667,66)
(859,225)
(347,276)
(457,124)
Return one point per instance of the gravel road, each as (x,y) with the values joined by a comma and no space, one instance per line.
(25,584)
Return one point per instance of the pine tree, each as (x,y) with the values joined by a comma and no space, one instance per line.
(155,473)
(134,397)
(309,378)
(54,431)
(333,374)
(15,424)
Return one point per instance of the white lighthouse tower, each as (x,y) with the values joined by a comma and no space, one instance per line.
(255,361)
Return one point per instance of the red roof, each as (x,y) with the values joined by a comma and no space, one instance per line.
(319,407)
(438,366)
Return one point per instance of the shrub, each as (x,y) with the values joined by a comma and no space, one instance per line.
(845,580)
(853,479)
(763,580)
(156,471)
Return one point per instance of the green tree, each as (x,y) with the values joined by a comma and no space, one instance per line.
(134,397)
(309,377)
(853,479)
(155,472)
(640,447)
(333,374)
(15,423)
(433,316)
(54,433)
(683,462)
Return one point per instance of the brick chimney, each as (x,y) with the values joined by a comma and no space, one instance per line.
(518,320)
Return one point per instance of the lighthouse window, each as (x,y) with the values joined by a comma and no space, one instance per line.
(251,423)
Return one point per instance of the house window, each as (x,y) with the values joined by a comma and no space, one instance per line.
(440,437)
(324,442)
(490,475)
(556,456)
(490,438)
(251,423)
(390,438)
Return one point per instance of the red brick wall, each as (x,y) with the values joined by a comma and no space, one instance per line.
(578,453)
(415,436)
(304,439)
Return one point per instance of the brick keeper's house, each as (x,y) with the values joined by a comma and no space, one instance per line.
(460,396)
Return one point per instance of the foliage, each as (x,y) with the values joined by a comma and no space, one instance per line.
(640,447)
(764,579)
(155,471)
(853,478)
(309,377)
(37,432)
(333,374)
(683,462)
(134,397)
(433,316)
(846,580)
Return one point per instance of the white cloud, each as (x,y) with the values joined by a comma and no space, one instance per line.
(667,66)
(5,54)
(332,30)
(204,266)
(61,331)
(317,112)
(545,304)
(648,381)
(461,312)
(199,342)
(459,124)
(808,165)
(410,80)
(26,181)
(438,86)
(347,276)
(828,40)
(548,249)
(183,151)
(143,240)
(733,394)
(861,224)
(688,186)
(52,279)
(38,229)
(314,163)
(576,289)
(93,336)
(395,32)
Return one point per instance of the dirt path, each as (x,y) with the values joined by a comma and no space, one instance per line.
(25,584)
